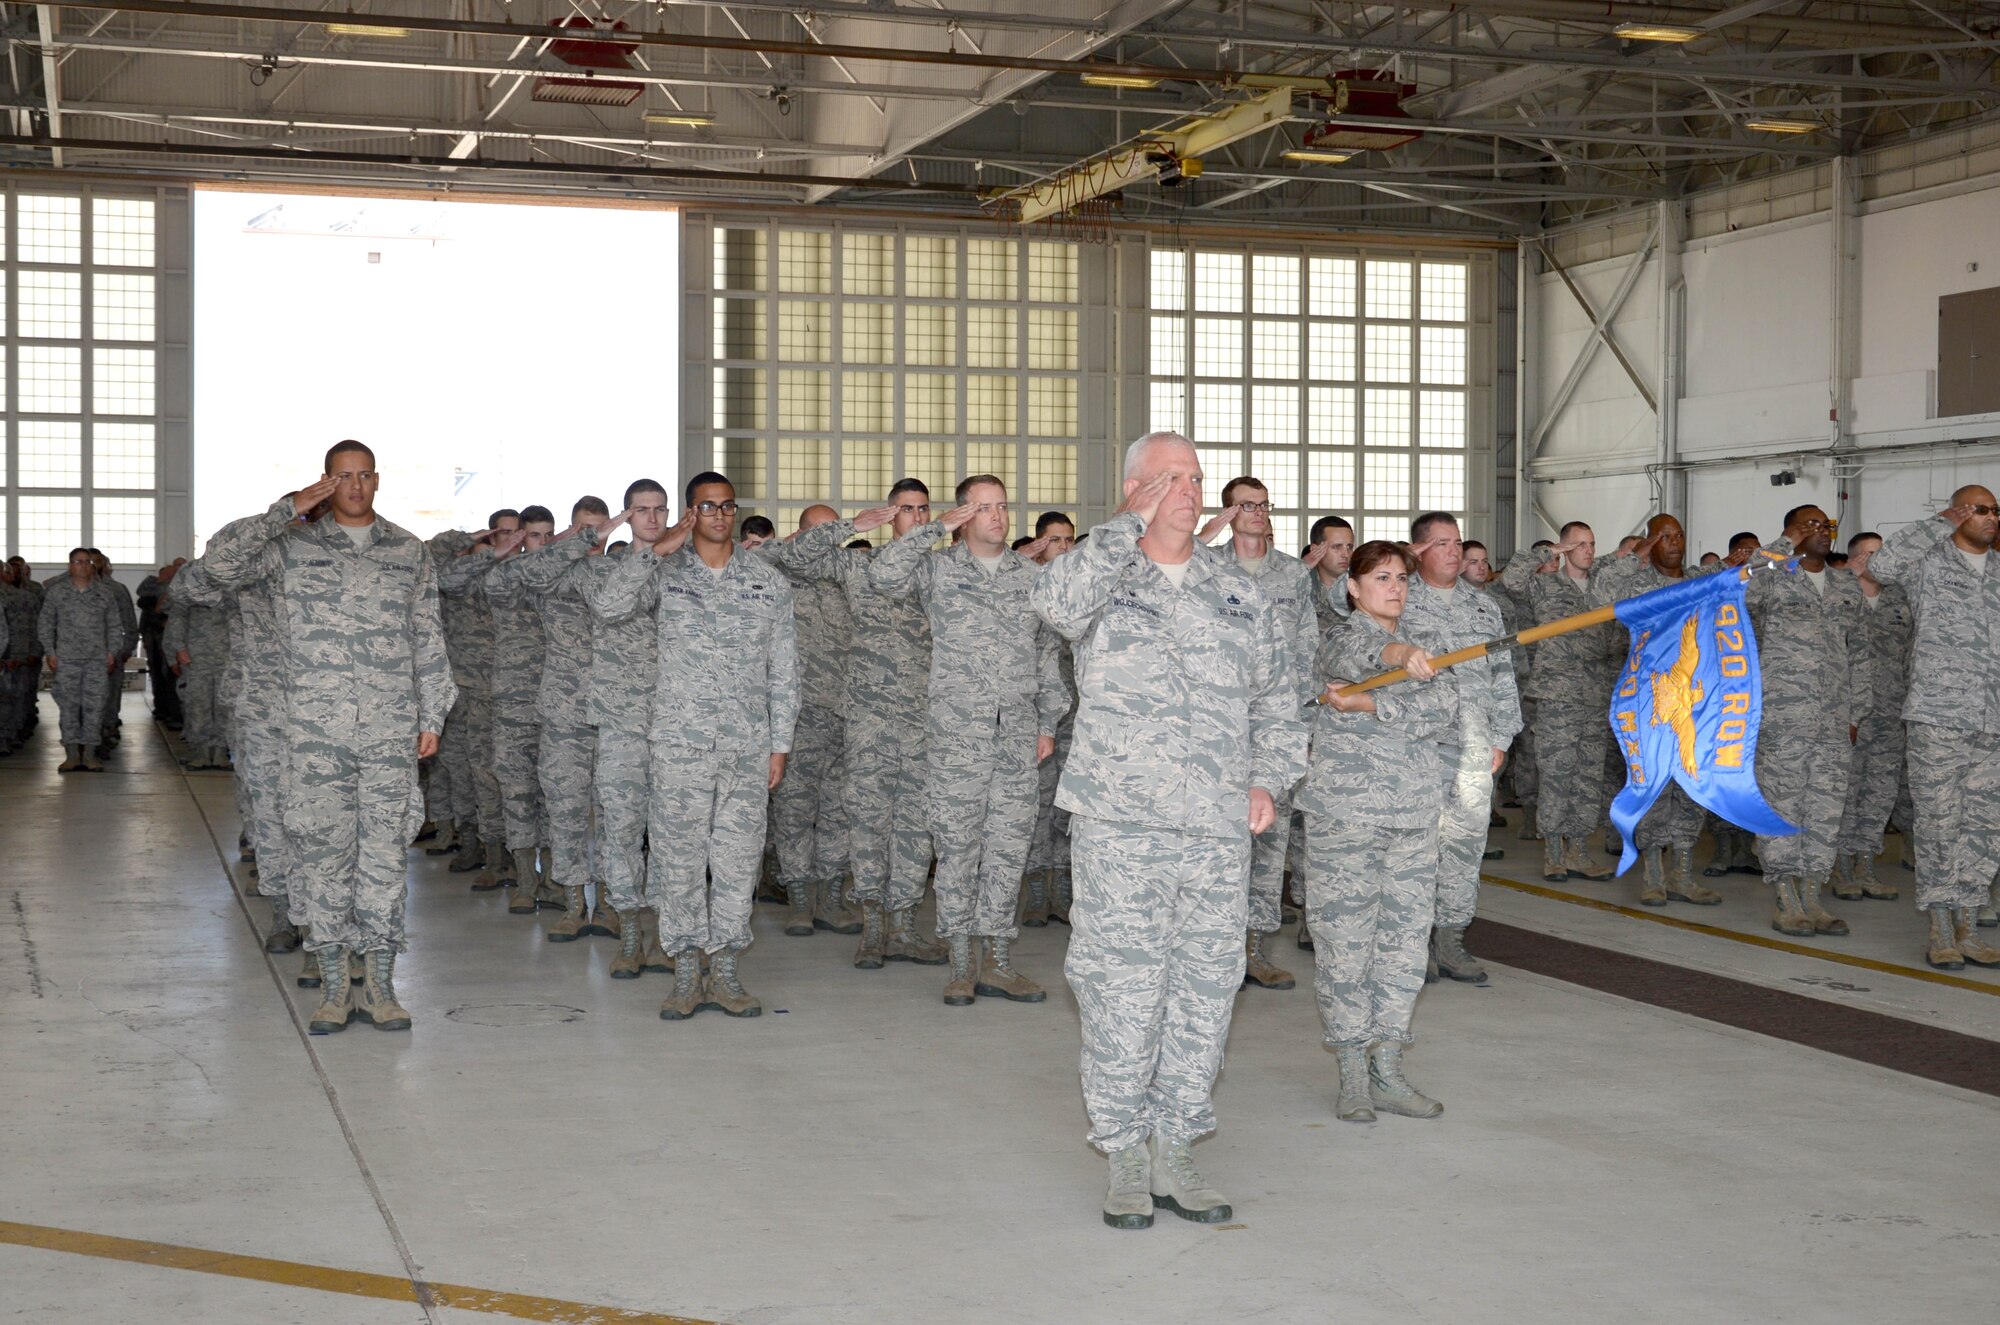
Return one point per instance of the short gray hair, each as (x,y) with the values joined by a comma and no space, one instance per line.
(1137,450)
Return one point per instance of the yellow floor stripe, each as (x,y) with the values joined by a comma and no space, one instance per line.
(326,1279)
(1753,940)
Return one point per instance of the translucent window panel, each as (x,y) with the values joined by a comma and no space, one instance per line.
(1285,533)
(803,403)
(1218,347)
(1051,476)
(805,262)
(865,470)
(121,455)
(1441,482)
(1389,528)
(1218,466)
(740,261)
(1388,288)
(1385,479)
(930,267)
(867,402)
(47,229)
(995,458)
(992,269)
(867,332)
(49,304)
(1274,416)
(1386,421)
(1218,282)
(121,306)
(1330,351)
(1441,419)
(1387,356)
(805,470)
(868,264)
(1274,350)
(1330,416)
(742,461)
(121,381)
(3,525)
(1443,288)
(989,404)
(1274,284)
(805,331)
(1442,362)
(122,528)
(991,337)
(49,455)
(121,232)
(1278,471)
(49,380)
(1052,338)
(739,398)
(739,328)
(930,335)
(1052,407)
(1330,287)
(49,528)
(930,403)
(1168,408)
(1218,412)
(1330,480)
(1052,273)
(1168,286)
(935,465)
(1169,345)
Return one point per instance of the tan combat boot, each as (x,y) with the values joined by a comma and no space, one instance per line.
(1968,942)
(685,1000)
(1391,1091)
(548,893)
(308,977)
(1681,886)
(999,979)
(1178,1185)
(1353,1105)
(630,960)
(1553,868)
(1257,968)
(1653,892)
(830,910)
(1034,900)
(335,997)
(1790,916)
(1823,920)
(655,958)
(489,875)
(1841,883)
(566,929)
(471,855)
(443,838)
(958,989)
(1861,868)
(1943,951)
(725,992)
(1580,866)
(907,945)
(93,761)
(605,922)
(1128,1202)
(1453,961)
(522,903)
(799,924)
(73,762)
(869,955)
(377,1004)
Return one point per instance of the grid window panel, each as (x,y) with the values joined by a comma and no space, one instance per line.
(1330,354)
(1441,482)
(1385,480)
(930,335)
(1278,471)
(1218,347)
(935,465)
(1388,528)
(1052,338)
(805,470)
(121,235)
(49,379)
(1330,480)
(122,528)
(1051,475)
(122,455)
(867,402)
(739,398)
(122,306)
(995,458)
(805,331)
(930,267)
(1387,355)
(740,260)
(1169,345)
(50,455)
(739,328)
(1441,419)
(805,262)
(868,264)
(1167,287)
(49,304)
(1274,416)
(867,332)
(48,229)
(50,527)
(991,269)
(1218,282)
(1218,466)
(1445,289)
(989,404)
(1218,413)
(1285,533)
(1387,285)
(122,381)
(1443,357)
(803,400)
(1274,350)
(1167,410)
(1052,407)
(930,404)
(742,461)
(1052,273)
(1386,421)
(1274,284)
(865,469)
(1330,285)
(990,337)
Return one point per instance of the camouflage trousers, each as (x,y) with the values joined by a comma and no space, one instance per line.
(1955,785)
(1468,807)
(452,794)
(1155,960)
(17,697)
(1370,902)
(620,794)
(808,814)
(1295,853)
(202,714)
(516,745)
(563,763)
(81,687)
(1673,822)
(478,736)
(108,718)
(1049,847)
(889,835)
(350,812)
(1524,761)
(1802,769)
(981,797)
(258,747)
(1267,869)
(706,828)
(1874,774)
(1572,737)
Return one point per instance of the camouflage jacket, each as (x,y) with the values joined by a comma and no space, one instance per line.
(888,661)
(17,605)
(1288,587)
(1887,626)
(80,623)
(1489,708)
(819,607)
(516,668)
(1583,663)
(256,672)
(1810,649)
(563,697)
(1386,768)
(624,654)
(1955,656)
(468,621)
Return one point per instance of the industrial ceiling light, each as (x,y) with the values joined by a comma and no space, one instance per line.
(1318,158)
(1783,126)
(366,30)
(1657,32)
(1134,82)
(685,119)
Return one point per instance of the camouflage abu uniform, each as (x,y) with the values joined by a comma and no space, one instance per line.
(517,686)
(1887,624)
(82,630)
(1570,684)
(1187,700)
(17,695)
(202,632)
(470,644)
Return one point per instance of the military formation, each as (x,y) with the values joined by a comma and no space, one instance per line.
(642,724)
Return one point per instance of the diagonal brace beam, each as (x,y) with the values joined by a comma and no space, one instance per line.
(1600,335)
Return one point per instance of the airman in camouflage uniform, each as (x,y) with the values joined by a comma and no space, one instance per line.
(82,634)
(17,662)
(470,640)
(1522,775)
(128,621)
(1327,557)
(197,644)
(1045,886)
(455,802)
(518,652)
(1187,728)
(1887,624)
(1947,568)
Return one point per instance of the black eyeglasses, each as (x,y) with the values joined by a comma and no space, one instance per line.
(711,507)
(1984,510)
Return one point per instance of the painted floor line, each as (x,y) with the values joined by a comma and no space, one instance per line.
(327,1279)
(1752,940)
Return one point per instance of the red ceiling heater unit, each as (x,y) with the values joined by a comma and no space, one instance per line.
(612,55)
(1372,94)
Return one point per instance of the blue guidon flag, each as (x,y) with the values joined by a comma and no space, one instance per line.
(1688,704)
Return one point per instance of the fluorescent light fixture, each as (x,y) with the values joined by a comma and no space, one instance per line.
(366,30)
(686,119)
(1657,32)
(1783,126)
(1318,158)
(1136,82)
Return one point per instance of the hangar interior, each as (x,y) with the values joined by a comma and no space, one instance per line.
(1524,261)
